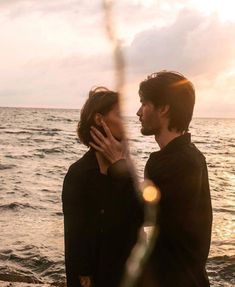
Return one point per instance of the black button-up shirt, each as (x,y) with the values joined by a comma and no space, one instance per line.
(102,215)
(184,218)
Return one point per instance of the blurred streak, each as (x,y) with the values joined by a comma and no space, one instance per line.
(143,248)
(150,193)
(119,60)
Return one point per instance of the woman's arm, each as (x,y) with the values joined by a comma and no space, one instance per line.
(76,232)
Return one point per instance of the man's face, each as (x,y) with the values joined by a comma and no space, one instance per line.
(149,117)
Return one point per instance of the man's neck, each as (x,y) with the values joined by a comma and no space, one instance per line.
(166,136)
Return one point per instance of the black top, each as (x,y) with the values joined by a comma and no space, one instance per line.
(102,215)
(184,218)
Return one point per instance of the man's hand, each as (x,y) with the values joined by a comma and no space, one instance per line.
(85,281)
(112,149)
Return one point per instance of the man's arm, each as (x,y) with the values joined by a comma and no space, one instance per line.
(180,182)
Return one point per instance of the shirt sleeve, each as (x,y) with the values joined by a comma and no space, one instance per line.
(179,180)
(76,231)
(123,178)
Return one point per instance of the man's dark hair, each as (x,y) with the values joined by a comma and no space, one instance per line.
(172,89)
(101,100)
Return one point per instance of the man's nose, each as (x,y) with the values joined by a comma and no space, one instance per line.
(138,112)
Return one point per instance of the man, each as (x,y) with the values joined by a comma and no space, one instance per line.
(179,170)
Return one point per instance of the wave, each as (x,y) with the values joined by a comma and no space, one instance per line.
(13,276)
(44,129)
(14,206)
(56,119)
(219,210)
(28,265)
(58,213)
(199,142)
(6,166)
(18,156)
(31,131)
(50,150)
(17,132)
(222,268)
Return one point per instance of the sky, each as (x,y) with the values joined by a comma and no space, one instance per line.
(52,52)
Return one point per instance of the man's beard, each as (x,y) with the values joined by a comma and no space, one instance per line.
(146,132)
(150,132)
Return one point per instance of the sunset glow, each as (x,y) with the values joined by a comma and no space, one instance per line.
(224,8)
(53,52)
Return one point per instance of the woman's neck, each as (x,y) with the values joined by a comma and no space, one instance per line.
(102,162)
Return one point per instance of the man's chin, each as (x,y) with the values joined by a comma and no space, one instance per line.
(146,132)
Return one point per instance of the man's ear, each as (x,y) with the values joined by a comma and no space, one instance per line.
(98,117)
(164,110)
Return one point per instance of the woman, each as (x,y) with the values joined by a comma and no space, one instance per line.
(102,213)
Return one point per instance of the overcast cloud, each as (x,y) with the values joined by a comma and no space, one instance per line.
(53,52)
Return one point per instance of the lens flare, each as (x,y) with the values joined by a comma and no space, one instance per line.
(150,192)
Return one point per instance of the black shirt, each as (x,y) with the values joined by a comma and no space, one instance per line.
(184,218)
(102,215)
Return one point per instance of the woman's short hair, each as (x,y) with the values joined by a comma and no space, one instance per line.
(100,100)
(172,89)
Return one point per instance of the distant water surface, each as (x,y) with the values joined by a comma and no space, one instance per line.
(36,148)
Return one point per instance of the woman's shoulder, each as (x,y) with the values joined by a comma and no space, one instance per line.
(76,178)
(86,162)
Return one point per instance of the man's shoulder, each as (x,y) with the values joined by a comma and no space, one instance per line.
(192,156)
(189,154)
(180,161)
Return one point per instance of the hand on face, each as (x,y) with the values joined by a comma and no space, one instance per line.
(112,149)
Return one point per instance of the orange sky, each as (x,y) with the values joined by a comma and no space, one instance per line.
(53,52)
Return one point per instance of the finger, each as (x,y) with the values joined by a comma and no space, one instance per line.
(106,129)
(96,147)
(98,134)
(96,139)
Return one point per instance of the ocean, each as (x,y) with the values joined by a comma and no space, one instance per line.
(36,148)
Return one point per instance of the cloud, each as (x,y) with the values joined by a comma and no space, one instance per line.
(18,8)
(193,44)
(201,47)
(53,52)
(56,82)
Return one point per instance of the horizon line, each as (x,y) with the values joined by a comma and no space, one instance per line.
(125,115)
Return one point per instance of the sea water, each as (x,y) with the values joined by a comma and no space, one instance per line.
(36,148)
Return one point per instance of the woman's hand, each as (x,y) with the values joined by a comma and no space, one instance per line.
(112,149)
(85,281)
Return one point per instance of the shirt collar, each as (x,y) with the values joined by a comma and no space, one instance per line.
(176,143)
(90,161)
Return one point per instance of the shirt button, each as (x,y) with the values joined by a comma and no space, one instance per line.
(102,211)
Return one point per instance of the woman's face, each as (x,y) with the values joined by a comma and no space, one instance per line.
(114,121)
